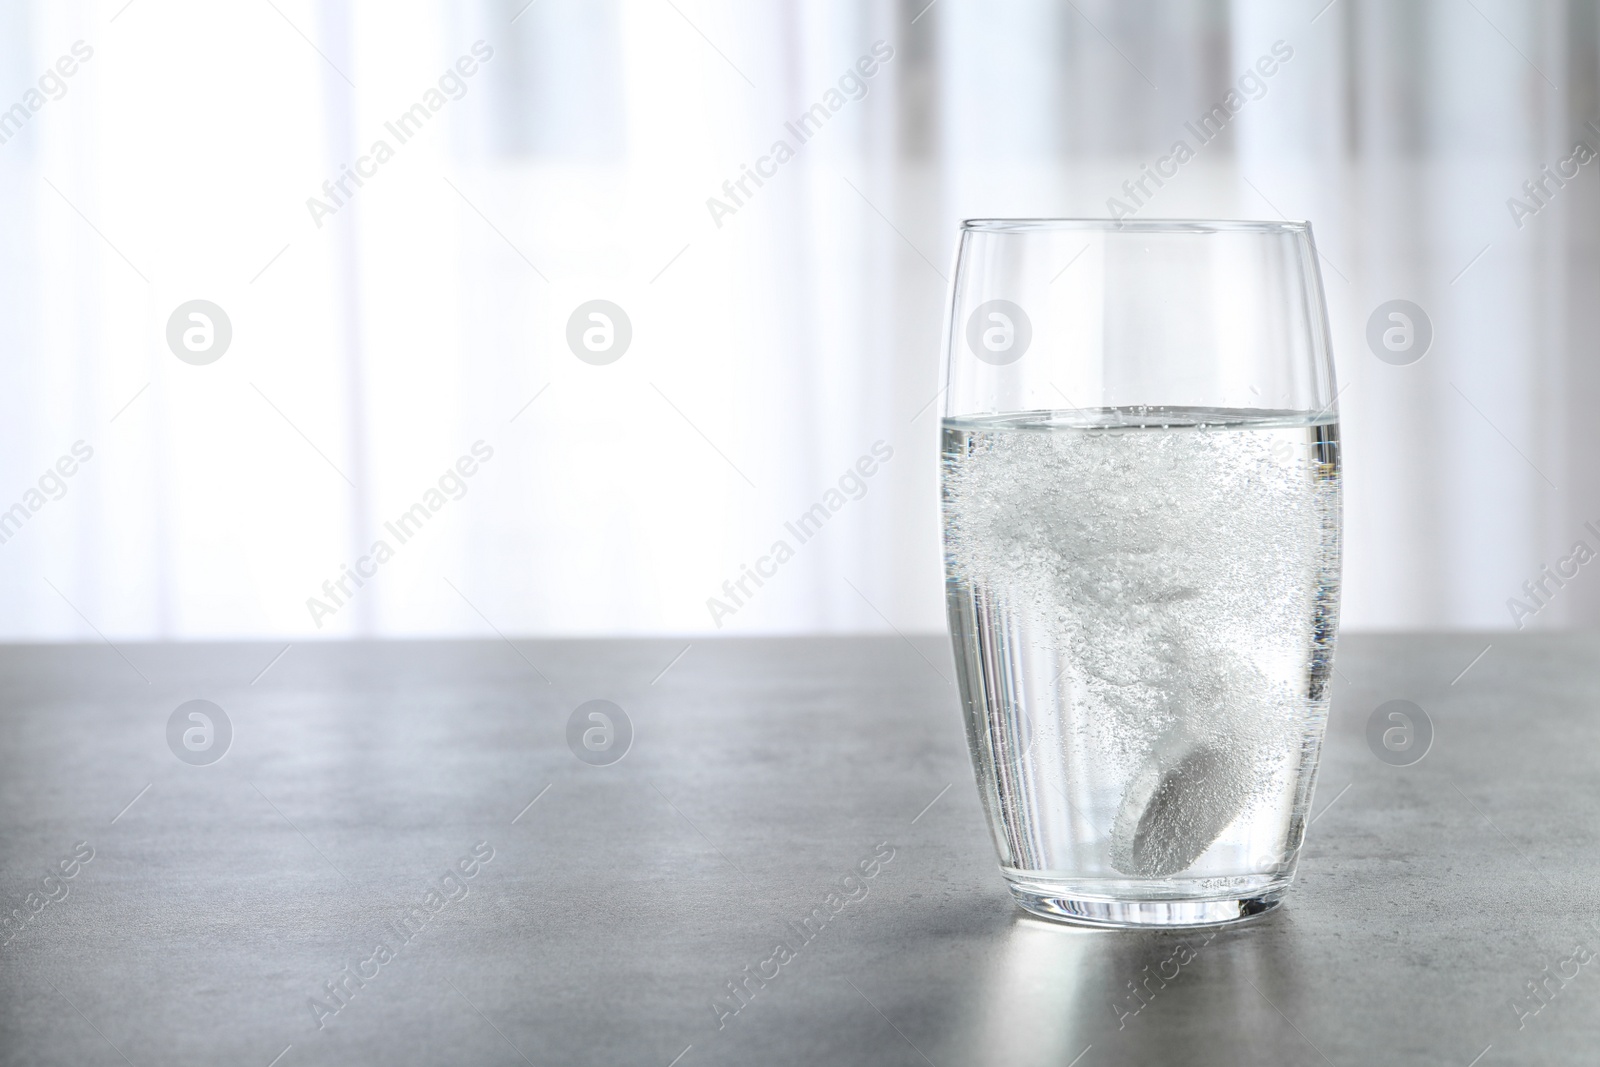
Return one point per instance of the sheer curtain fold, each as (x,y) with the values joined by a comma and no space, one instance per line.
(784,304)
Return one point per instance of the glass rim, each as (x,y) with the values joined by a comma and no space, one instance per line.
(1032,225)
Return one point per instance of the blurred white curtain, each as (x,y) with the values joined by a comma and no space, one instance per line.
(429,311)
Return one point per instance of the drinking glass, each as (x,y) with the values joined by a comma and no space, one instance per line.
(1142,503)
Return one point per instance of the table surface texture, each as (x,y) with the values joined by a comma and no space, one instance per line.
(401,859)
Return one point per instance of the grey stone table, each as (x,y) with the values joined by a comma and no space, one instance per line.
(400,860)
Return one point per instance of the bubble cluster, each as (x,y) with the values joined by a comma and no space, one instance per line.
(1178,571)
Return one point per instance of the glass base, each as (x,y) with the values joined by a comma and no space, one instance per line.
(1142,913)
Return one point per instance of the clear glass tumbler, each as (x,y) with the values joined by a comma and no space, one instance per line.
(1142,550)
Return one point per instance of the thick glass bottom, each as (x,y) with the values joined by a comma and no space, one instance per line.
(1061,905)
